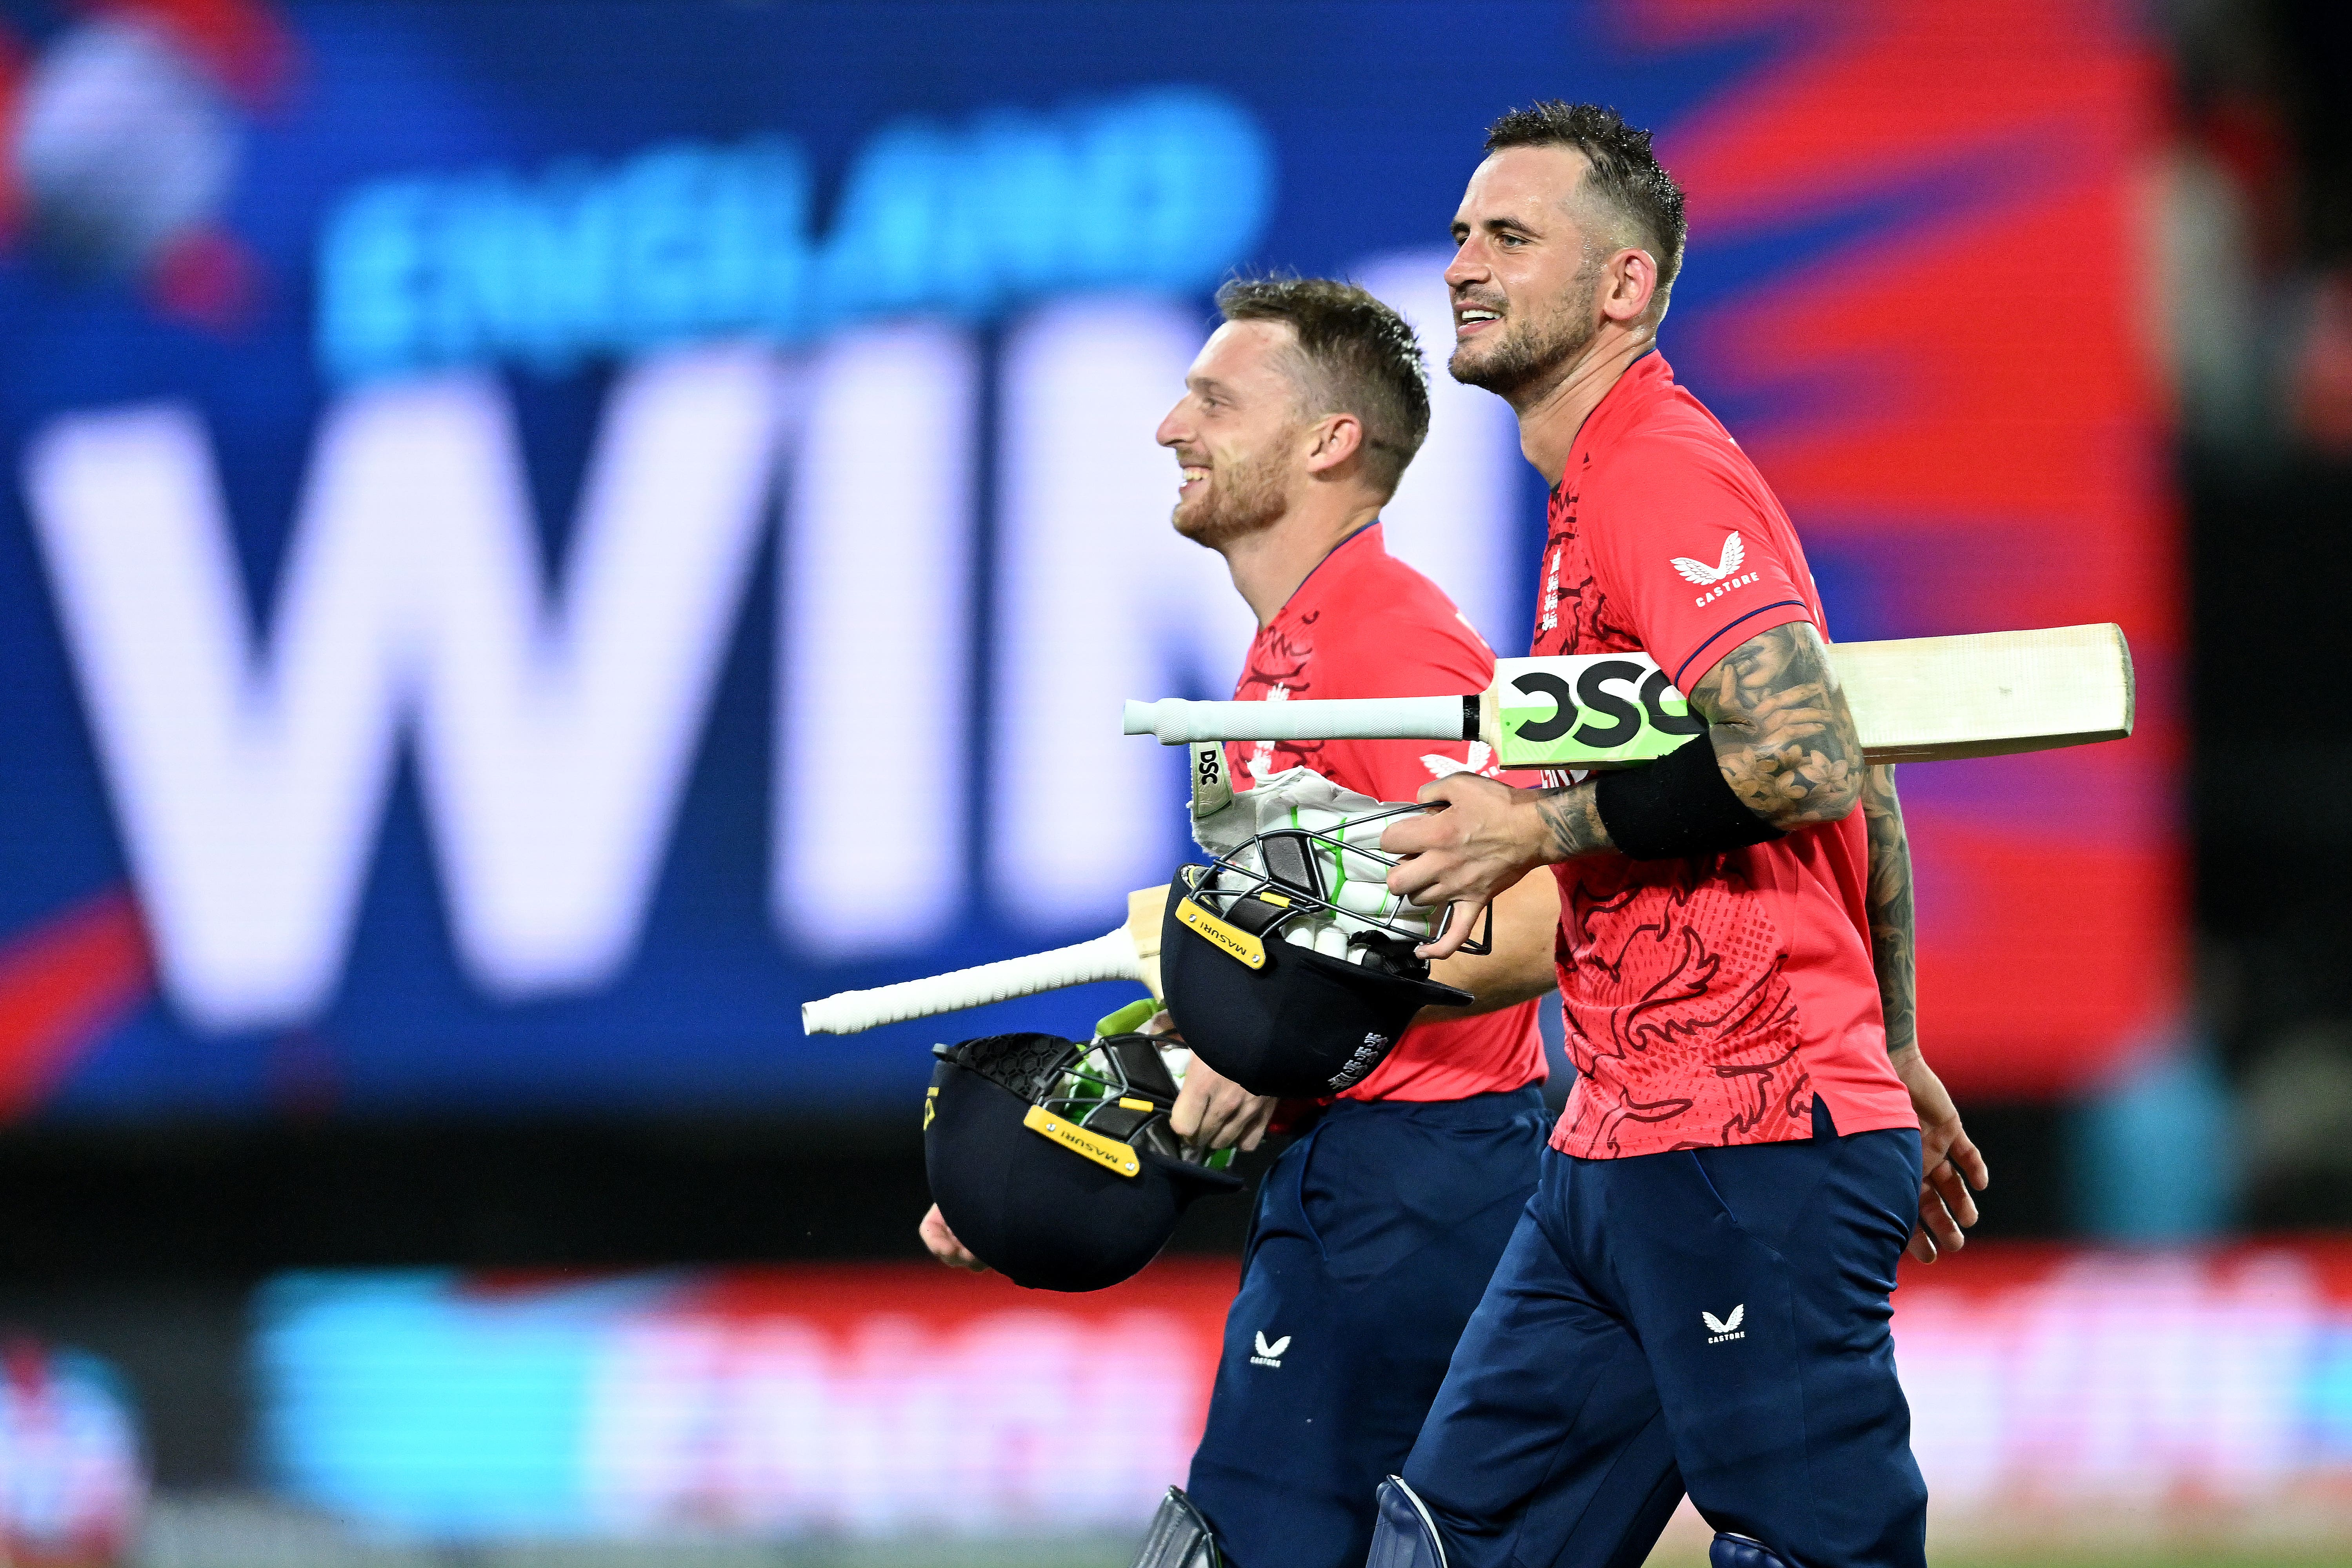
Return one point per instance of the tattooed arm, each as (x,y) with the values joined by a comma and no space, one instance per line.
(1950,1162)
(1889,908)
(1782,737)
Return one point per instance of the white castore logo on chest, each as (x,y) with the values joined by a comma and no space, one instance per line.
(1270,1355)
(1721,1329)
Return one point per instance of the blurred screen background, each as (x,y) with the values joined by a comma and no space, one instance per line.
(537,537)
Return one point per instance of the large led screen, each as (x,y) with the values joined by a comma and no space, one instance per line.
(2073,1393)
(537,537)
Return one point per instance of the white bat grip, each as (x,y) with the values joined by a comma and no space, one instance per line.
(1109,957)
(1177,723)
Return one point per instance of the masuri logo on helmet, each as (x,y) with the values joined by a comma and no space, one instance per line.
(1287,963)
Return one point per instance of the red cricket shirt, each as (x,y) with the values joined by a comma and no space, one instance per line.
(1364,624)
(1708,1001)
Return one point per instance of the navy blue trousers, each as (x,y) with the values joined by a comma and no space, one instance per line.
(1713,1320)
(1374,1237)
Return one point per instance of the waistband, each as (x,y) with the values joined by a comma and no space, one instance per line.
(1496,1108)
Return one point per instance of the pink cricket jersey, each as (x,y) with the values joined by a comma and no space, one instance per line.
(1708,1001)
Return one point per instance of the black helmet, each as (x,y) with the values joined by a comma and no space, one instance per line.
(1279,1017)
(1053,1161)
(1286,962)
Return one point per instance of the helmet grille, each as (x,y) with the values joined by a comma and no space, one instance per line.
(1027,1066)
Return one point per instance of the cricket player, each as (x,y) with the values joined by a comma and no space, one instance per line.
(1696,1299)
(1376,1230)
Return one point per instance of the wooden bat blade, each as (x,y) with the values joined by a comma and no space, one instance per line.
(1989,694)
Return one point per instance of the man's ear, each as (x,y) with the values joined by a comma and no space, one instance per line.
(1332,440)
(1632,282)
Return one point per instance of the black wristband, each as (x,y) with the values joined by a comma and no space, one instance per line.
(1678,806)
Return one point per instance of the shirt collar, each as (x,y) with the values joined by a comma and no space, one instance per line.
(1639,385)
(1373,545)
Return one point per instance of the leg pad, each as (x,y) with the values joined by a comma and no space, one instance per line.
(1180,1537)
(1404,1535)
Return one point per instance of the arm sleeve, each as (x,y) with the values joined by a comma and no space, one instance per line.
(1693,555)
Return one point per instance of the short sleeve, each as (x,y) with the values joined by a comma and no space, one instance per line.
(1689,548)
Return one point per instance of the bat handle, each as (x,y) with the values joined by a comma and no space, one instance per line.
(1174,722)
(1107,957)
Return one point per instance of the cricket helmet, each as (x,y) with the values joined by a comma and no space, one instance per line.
(1286,962)
(1053,1163)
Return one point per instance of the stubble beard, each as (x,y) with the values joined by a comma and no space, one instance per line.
(1245,498)
(1532,353)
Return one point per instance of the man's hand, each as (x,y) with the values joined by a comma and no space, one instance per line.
(1213,1112)
(1519,965)
(1951,1163)
(1481,836)
(944,1246)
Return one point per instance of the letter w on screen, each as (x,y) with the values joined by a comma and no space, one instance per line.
(551,738)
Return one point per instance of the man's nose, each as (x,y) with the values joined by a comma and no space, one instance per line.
(1171,429)
(1469,264)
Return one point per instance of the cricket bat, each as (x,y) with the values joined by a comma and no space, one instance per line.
(1130,953)
(1919,700)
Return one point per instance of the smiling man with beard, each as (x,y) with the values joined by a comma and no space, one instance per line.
(1698,1297)
(1377,1227)
(1299,418)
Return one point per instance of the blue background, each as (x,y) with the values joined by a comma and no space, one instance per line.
(1374,115)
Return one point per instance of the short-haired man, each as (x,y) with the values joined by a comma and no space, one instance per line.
(1376,1230)
(1697,1299)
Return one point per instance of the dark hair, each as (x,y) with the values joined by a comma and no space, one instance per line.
(1359,357)
(1625,174)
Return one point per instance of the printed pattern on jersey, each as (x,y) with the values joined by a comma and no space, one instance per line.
(1680,1020)
(1575,615)
(1278,670)
(1673,975)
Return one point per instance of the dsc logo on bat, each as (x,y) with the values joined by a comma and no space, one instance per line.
(1584,711)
